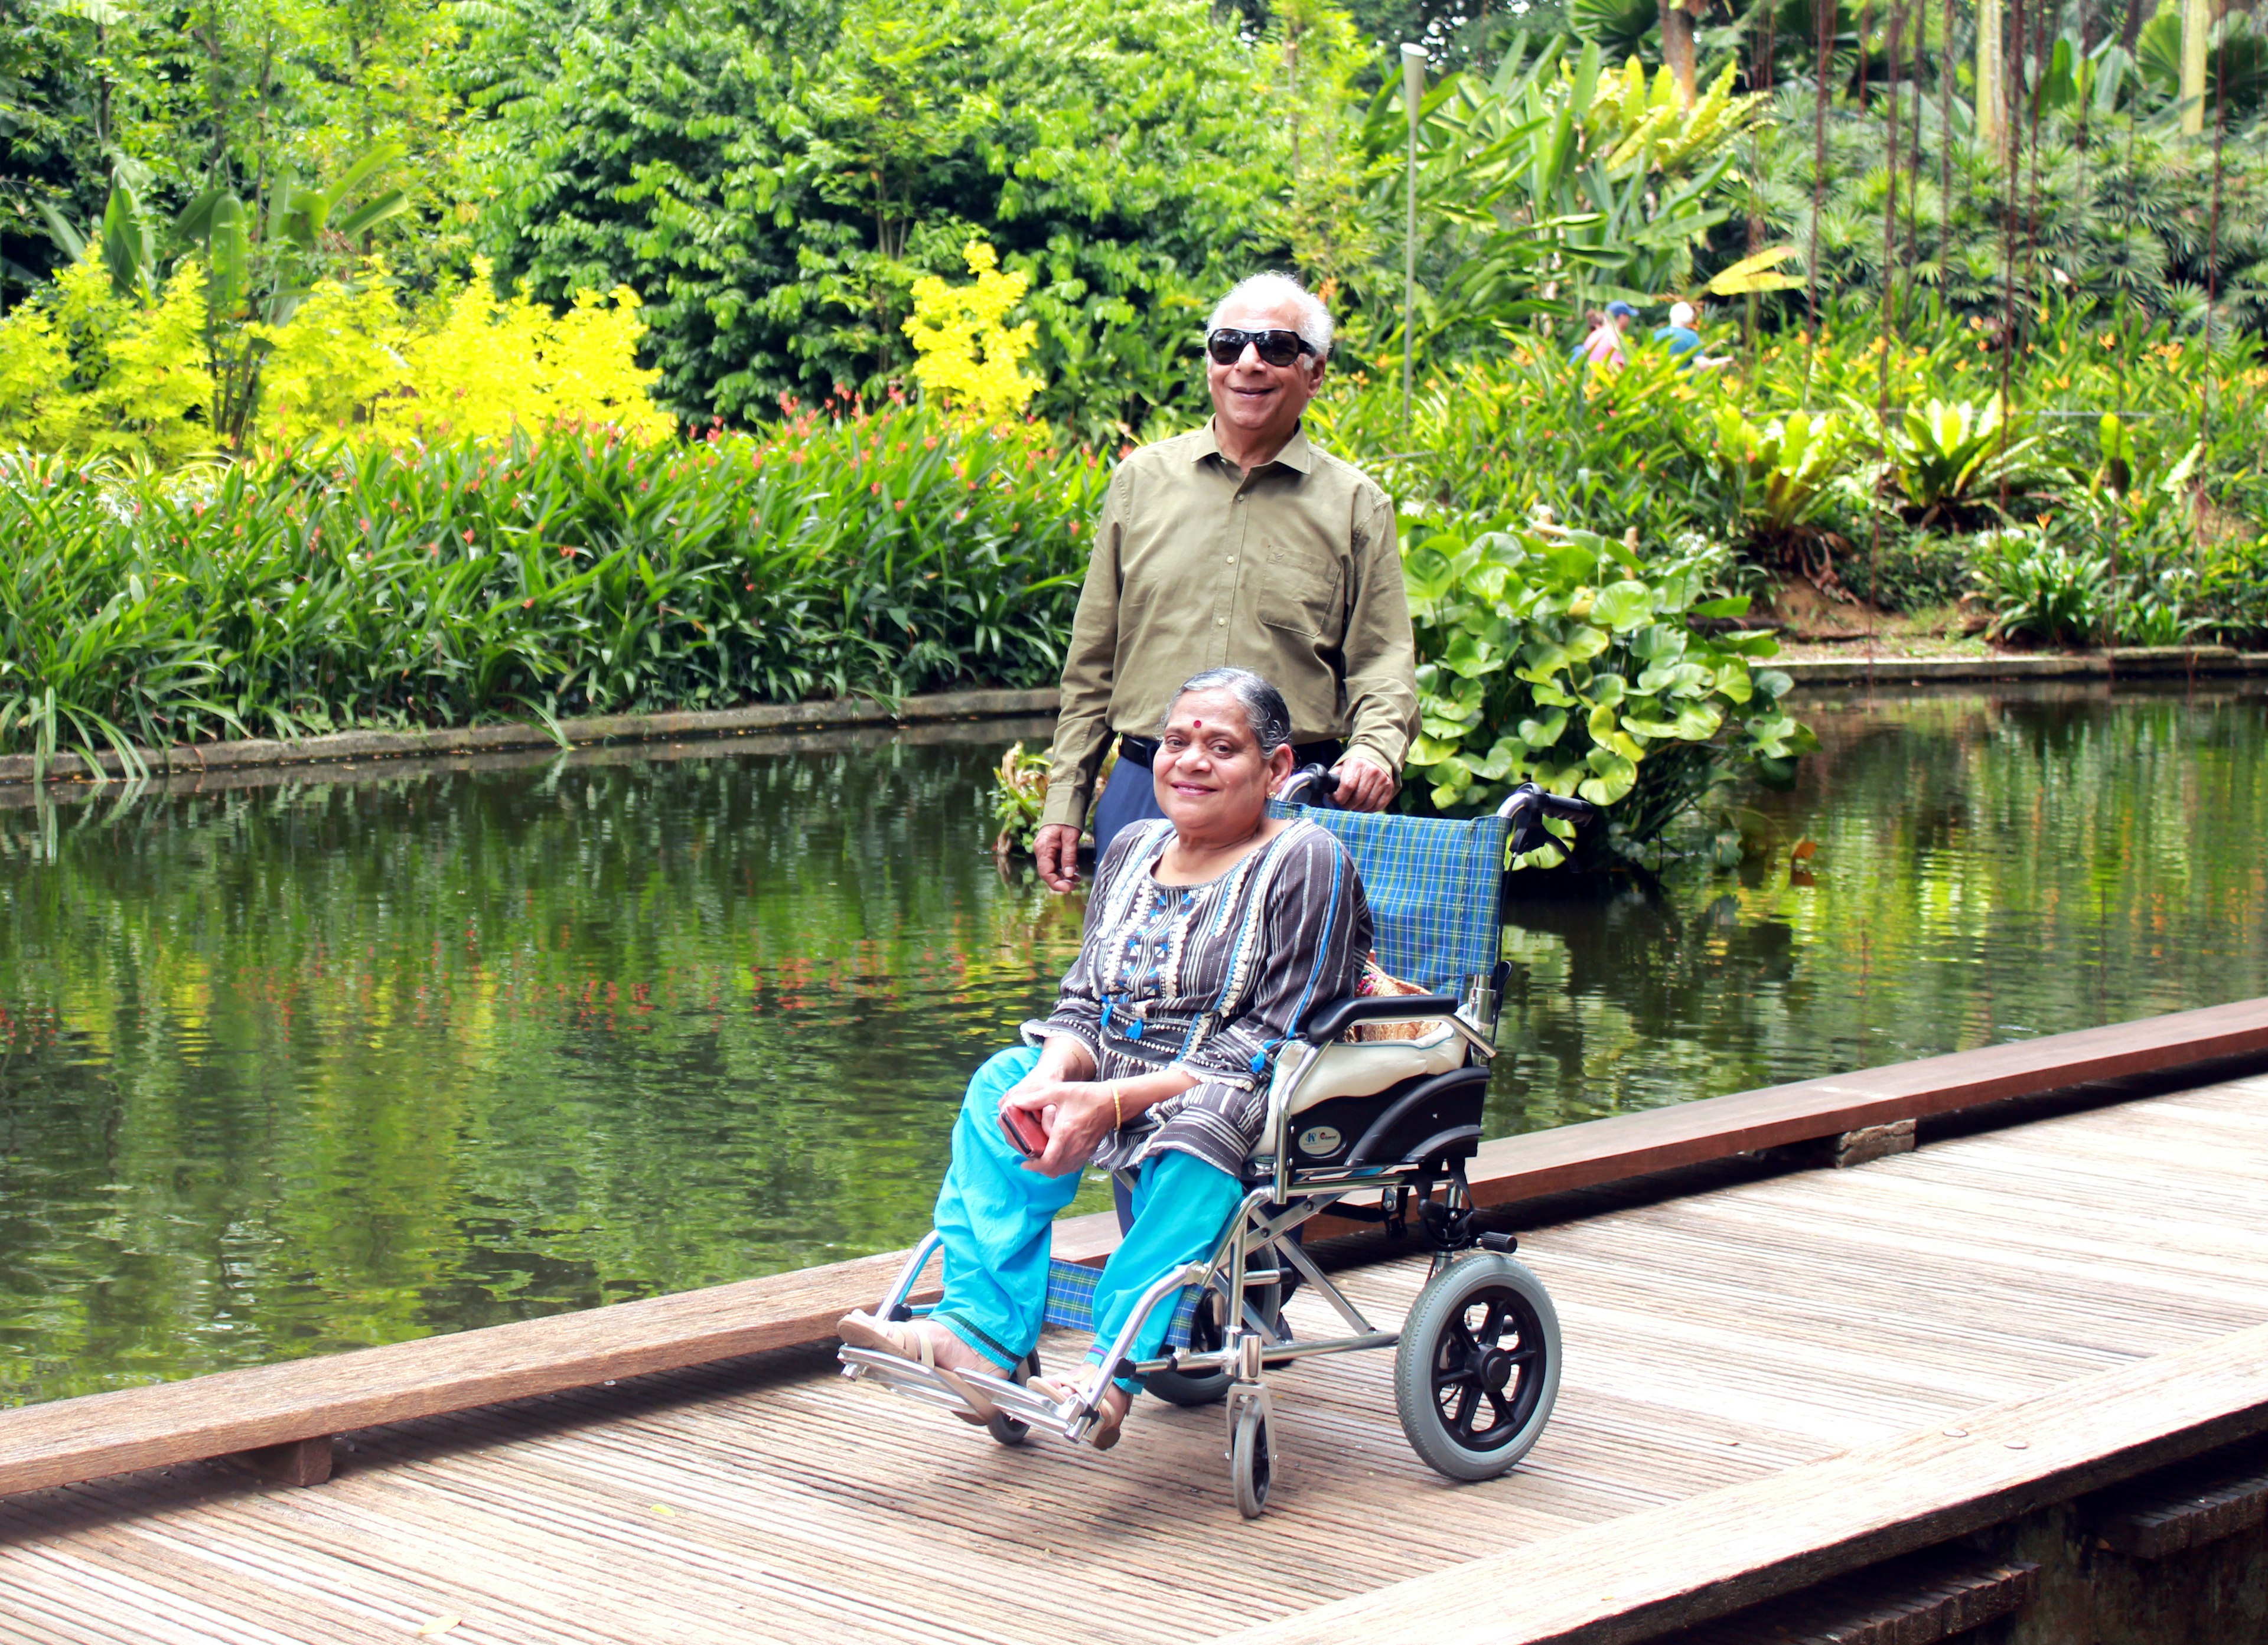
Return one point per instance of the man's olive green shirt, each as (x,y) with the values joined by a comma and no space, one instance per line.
(1289,570)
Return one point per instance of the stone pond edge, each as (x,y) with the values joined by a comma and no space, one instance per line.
(2161,662)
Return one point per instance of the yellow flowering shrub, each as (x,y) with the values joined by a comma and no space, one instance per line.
(154,391)
(85,370)
(34,400)
(331,365)
(493,362)
(963,352)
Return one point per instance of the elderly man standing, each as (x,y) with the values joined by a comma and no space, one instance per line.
(1237,545)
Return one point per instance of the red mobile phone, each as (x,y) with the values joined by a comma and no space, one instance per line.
(1024,1131)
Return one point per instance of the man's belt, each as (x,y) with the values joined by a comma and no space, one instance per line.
(1143,751)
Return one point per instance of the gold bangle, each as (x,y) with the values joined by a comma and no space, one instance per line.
(1117,1108)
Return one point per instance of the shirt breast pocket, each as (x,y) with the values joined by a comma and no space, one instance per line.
(1301,588)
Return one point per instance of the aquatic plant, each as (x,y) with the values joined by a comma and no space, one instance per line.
(1563,659)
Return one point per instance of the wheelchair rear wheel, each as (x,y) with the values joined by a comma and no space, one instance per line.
(1478,1368)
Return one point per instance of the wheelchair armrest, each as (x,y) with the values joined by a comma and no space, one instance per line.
(1327,1023)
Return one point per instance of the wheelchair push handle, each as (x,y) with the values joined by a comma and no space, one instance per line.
(1309,785)
(1527,807)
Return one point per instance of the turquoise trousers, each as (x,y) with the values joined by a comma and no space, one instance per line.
(993,1216)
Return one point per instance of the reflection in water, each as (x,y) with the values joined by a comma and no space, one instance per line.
(290,1070)
(1987,868)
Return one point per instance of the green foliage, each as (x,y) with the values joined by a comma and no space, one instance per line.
(581,573)
(1564,660)
(2112,203)
(252,99)
(1531,431)
(773,178)
(2041,589)
(1947,460)
(1556,182)
(1784,468)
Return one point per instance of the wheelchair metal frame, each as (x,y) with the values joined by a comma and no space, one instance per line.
(1264,1221)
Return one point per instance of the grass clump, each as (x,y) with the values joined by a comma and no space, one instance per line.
(833,551)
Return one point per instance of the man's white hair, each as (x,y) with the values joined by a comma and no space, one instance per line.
(1682,314)
(1273,290)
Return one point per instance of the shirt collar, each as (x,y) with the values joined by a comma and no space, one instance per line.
(1297,454)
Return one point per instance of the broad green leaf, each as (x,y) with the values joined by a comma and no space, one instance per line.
(1622,606)
(1585,644)
(1545,732)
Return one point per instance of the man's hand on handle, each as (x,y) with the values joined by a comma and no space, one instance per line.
(1364,784)
(1055,849)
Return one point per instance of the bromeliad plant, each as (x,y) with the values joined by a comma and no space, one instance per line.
(1949,461)
(1564,660)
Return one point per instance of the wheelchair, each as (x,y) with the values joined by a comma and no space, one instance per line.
(1373,1131)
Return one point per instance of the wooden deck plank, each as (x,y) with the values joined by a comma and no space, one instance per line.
(272,1405)
(1718,1342)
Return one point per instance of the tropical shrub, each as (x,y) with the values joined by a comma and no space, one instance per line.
(1532,430)
(962,350)
(1555,182)
(2041,590)
(1783,469)
(774,175)
(580,572)
(1948,462)
(86,370)
(1564,660)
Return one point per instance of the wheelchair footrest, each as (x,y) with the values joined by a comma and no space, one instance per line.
(929,1385)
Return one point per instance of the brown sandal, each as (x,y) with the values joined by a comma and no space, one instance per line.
(1109,1420)
(908,1341)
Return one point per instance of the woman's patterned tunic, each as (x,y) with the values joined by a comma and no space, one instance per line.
(1209,978)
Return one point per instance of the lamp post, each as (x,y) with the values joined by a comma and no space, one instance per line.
(1413,93)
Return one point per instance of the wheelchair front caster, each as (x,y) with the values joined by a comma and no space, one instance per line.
(1251,1450)
(1478,1366)
(1007,1429)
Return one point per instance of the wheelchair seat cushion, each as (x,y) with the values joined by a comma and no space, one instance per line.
(1349,1070)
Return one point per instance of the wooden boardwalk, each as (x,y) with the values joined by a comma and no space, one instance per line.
(1712,1340)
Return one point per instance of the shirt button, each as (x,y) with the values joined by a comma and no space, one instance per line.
(1231,559)
(1221,622)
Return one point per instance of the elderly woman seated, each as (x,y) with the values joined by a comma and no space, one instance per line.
(1209,935)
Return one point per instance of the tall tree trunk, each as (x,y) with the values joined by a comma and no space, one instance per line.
(2197,26)
(1677,48)
(1992,76)
(2130,31)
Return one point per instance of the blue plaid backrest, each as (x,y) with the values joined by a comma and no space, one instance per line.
(1432,884)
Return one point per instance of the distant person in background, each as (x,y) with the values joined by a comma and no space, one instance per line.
(1685,341)
(1603,348)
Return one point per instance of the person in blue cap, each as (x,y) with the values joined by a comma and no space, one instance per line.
(1604,345)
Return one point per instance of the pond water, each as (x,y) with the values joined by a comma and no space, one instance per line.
(294,1069)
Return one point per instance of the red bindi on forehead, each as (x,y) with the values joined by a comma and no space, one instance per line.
(1200,725)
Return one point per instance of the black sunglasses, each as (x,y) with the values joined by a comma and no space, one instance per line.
(1277,346)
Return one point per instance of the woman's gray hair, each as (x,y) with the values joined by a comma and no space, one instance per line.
(1272,291)
(1262,704)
